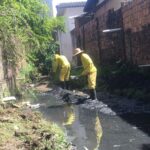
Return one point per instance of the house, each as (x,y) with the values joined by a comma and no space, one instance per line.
(66,40)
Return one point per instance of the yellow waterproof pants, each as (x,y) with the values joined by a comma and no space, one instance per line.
(92,80)
(64,73)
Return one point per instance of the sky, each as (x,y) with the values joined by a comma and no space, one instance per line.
(56,2)
(64,1)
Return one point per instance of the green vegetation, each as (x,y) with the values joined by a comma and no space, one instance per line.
(125,79)
(26,33)
(24,129)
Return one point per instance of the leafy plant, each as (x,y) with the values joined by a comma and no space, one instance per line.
(27,31)
(126,80)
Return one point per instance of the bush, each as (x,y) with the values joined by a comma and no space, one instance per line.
(125,79)
(29,73)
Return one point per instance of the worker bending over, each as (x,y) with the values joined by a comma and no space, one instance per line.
(89,70)
(61,62)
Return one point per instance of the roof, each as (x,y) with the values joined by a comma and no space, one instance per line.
(92,4)
(72,4)
(61,7)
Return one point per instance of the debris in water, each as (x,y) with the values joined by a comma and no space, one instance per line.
(11,98)
(85,148)
(116,145)
(34,106)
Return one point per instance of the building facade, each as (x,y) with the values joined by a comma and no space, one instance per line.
(66,39)
(136,21)
(131,43)
(101,15)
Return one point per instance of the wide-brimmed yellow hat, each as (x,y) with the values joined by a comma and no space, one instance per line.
(77,51)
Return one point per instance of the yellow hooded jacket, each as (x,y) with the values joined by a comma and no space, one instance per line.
(87,64)
(60,61)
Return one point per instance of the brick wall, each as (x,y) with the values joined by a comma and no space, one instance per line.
(87,39)
(103,47)
(131,45)
(111,43)
(136,20)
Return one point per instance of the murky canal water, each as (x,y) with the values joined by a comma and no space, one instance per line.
(87,129)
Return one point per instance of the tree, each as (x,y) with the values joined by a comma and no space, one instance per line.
(26,29)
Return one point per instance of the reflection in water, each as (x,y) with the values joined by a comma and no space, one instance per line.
(93,128)
(99,132)
(70,116)
(83,127)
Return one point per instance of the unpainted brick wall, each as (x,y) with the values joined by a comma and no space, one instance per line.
(103,47)
(112,48)
(136,20)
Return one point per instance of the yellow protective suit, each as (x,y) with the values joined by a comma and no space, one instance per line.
(98,131)
(89,70)
(70,116)
(61,62)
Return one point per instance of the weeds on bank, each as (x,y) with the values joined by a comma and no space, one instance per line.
(22,128)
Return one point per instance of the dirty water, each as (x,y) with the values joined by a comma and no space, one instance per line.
(89,130)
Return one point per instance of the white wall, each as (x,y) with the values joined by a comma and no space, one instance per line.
(65,40)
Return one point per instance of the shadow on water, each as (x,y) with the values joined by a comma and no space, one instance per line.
(146,147)
(140,120)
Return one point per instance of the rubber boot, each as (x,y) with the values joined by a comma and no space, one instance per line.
(67,85)
(93,95)
(62,84)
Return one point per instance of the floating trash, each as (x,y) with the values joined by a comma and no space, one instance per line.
(11,98)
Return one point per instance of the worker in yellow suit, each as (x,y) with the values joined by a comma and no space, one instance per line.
(61,62)
(89,70)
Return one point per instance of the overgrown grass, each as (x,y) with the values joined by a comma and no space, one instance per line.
(22,128)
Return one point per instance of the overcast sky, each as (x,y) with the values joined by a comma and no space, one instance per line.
(64,1)
(56,2)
